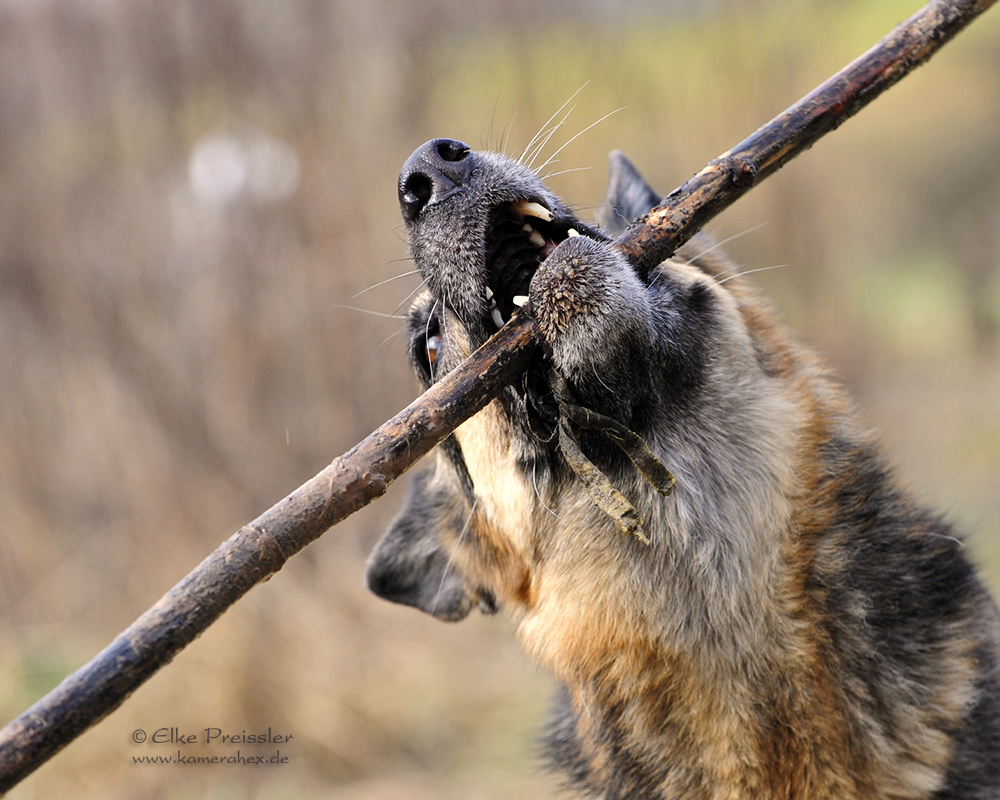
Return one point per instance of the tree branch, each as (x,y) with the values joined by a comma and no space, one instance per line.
(260,549)
(688,208)
(257,551)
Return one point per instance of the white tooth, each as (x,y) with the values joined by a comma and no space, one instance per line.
(497,319)
(489,293)
(493,303)
(572,232)
(532,209)
(519,300)
(536,238)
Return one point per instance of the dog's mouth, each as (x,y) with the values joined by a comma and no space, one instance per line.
(520,235)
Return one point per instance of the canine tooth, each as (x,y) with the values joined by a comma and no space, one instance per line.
(531,209)
(497,319)
(572,232)
(489,293)
(519,299)
(536,238)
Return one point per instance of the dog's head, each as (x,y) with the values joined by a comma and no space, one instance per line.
(500,518)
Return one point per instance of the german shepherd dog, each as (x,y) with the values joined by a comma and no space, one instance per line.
(785,623)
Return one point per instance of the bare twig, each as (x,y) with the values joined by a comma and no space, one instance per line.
(261,548)
(688,208)
(257,551)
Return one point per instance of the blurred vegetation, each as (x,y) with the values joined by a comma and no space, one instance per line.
(193,193)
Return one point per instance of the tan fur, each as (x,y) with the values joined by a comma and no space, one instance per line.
(586,621)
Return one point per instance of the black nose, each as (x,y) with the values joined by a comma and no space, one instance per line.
(435,171)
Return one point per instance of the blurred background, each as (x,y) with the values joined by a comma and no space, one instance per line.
(199,231)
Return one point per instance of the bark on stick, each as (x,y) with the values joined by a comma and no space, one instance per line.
(257,551)
(260,549)
(722,181)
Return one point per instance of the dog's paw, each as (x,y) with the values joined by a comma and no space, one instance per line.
(574,287)
(594,313)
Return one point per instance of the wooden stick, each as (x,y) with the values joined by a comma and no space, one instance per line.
(687,209)
(260,549)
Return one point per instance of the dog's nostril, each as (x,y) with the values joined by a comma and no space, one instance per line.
(451,150)
(417,191)
(435,171)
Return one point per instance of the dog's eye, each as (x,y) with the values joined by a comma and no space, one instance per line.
(433,345)
(425,346)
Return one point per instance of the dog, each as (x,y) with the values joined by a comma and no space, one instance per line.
(782,621)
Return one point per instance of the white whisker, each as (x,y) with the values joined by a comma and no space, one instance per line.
(506,135)
(369,311)
(416,289)
(534,483)
(537,151)
(716,245)
(395,311)
(750,272)
(600,380)
(557,152)
(548,175)
(541,131)
(389,338)
(954,539)
(387,280)
(489,131)
(399,260)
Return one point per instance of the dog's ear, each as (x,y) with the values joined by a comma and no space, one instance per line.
(629,196)
(410,565)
